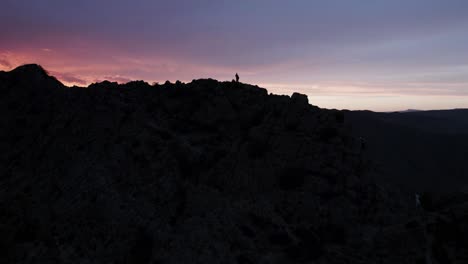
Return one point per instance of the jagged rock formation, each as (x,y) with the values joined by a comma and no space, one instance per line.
(205,172)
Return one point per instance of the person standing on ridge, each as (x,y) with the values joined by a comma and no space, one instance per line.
(237,77)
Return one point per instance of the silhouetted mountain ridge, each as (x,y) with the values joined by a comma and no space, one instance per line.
(204,172)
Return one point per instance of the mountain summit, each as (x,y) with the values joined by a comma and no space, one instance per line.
(31,75)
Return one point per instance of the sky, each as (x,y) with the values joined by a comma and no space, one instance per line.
(347,54)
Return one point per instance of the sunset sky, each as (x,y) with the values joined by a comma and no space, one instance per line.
(356,54)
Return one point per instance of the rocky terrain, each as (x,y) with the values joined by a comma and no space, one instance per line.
(204,172)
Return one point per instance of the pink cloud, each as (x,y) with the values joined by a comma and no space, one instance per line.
(119,79)
(69,79)
(5,63)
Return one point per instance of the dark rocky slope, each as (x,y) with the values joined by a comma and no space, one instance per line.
(205,172)
(418,151)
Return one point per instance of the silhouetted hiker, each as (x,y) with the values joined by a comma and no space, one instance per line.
(237,77)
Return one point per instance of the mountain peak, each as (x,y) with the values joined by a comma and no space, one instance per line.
(30,68)
(32,74)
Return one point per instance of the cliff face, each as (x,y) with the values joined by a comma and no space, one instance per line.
(205,172)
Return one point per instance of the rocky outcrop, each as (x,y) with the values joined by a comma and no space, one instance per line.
(204,172)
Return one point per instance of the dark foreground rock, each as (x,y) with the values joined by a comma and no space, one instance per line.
(204,172)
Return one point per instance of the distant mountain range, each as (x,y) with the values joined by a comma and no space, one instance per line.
(222,172)
(424,150)
(409,111)
(416,110)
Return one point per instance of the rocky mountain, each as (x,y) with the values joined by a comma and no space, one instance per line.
(203,172)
